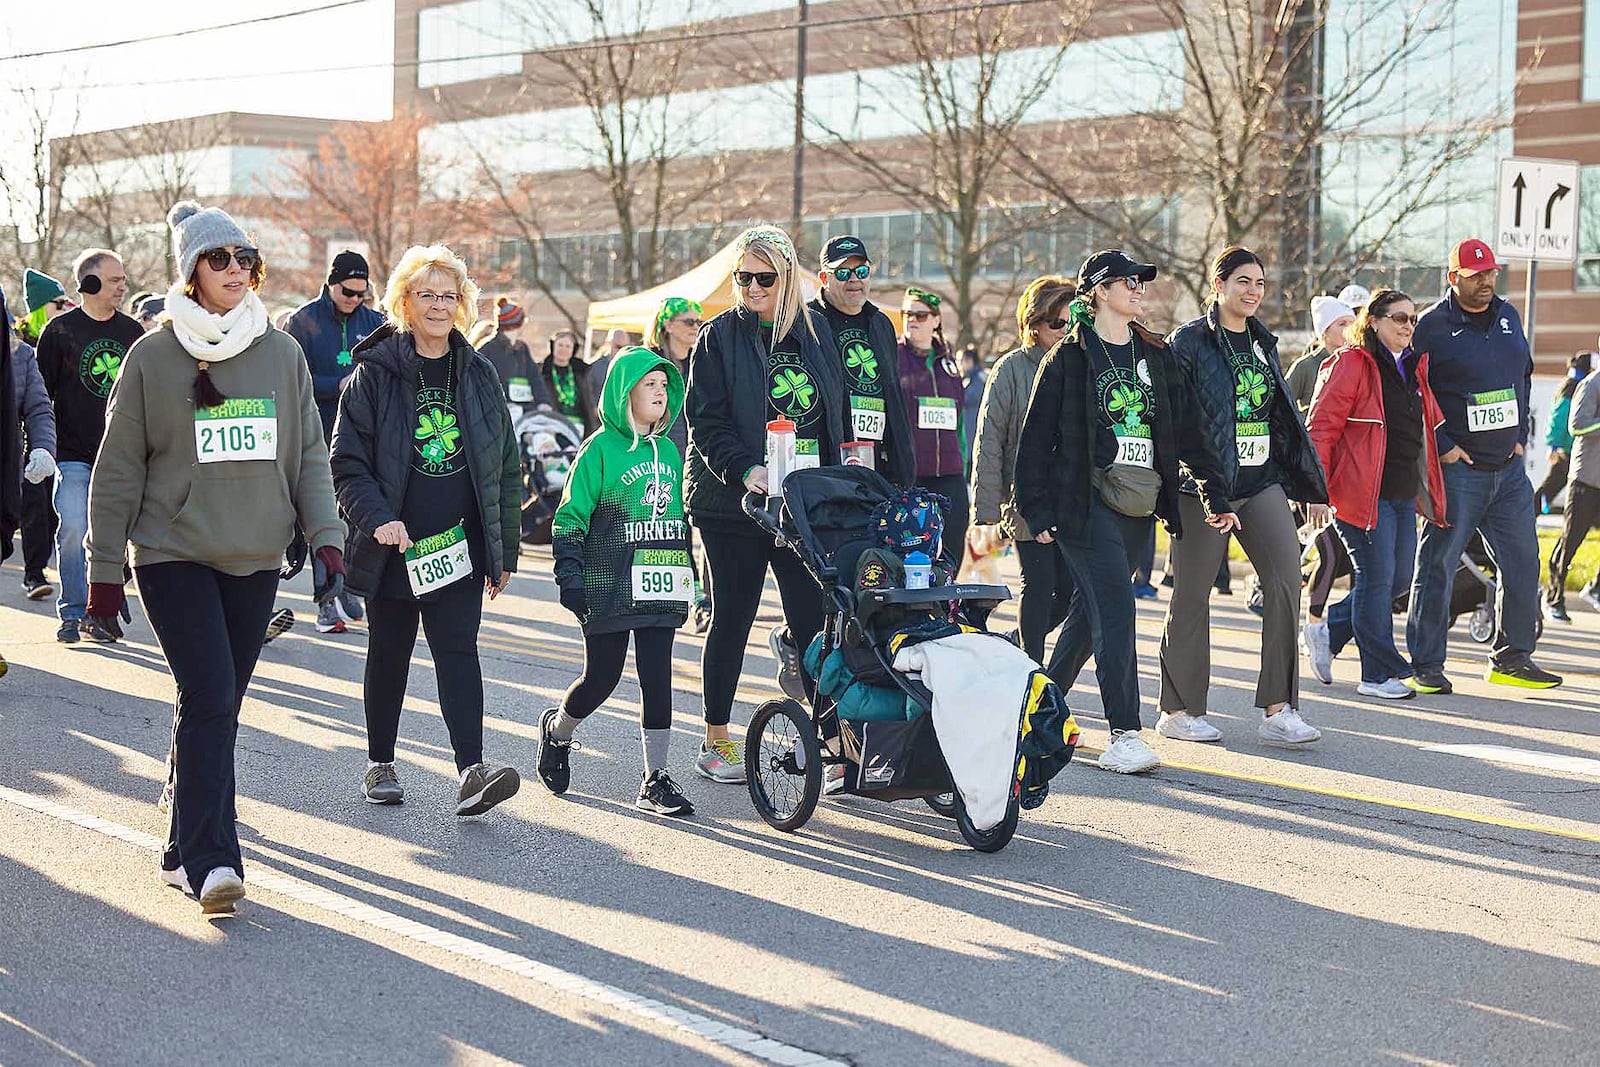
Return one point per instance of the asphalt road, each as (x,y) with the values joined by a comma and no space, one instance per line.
(1418,888)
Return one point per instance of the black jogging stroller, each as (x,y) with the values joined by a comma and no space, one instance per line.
(824,518)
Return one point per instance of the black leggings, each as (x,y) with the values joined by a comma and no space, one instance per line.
(210,627)
(1046,594)
(603,658)
(953,487)
(738,564)
(451,624)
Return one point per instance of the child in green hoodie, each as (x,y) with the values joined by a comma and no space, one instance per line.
(622,562)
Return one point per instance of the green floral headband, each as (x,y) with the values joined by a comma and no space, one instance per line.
(931,299)
(671,308)
(771,235)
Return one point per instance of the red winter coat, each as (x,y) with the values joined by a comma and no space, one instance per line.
(1347,428)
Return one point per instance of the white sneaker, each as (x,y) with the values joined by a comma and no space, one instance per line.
(1287,728)
(177,879)
(1591,597)
(1185,727)
(1388,689)
(1314,639)
(1127,754)
(222,889)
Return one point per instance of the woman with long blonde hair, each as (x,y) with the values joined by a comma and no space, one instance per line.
(759,360)
(435,522)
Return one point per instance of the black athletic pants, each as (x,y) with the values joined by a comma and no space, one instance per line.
(1581,516)
(603,659)
(210,626)
(451,625)
(38,527)
(952,487)
(1046,594)
(738,564)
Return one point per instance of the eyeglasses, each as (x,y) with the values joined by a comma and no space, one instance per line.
(217,258)
(432,299)
(844,274)
(765,278)
(918,314)
(61,305)
(1400,318)
(1055,324)
(693,324)
(353,294)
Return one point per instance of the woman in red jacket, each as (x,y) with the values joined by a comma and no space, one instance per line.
(1373,423)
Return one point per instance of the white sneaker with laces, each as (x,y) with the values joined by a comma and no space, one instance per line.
(222,889)
(1591,597)
(1388,689)
(177,879)
(1181,726)
(1319,651)
(1287,728)
(1127,754)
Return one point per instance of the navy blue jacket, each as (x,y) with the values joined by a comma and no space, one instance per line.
(1465,363)
(323,333)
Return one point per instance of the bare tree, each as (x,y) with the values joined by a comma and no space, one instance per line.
(31,183)
(1266,106)
(959,84)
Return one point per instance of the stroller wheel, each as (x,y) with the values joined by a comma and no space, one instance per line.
(783,764)
(943,804)
(996,837)
(1481,626)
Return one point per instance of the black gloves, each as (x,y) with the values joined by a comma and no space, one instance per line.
(575,600)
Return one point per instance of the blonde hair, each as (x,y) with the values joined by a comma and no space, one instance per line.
(773,245)
(418,265)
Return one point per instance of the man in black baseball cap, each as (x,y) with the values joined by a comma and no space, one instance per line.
(1109,265)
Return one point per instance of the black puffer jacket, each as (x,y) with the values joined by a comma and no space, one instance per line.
(1197,348)
(372,446)
(727,409)
(1056,448)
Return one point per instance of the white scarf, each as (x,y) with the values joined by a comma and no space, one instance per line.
(215,338)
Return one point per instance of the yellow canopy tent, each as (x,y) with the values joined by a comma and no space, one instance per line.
(707,284)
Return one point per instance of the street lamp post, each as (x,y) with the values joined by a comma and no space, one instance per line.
(799,120)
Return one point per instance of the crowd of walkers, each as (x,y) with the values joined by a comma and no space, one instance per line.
(204,453)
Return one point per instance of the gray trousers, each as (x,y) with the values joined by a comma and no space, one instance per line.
(1267,535)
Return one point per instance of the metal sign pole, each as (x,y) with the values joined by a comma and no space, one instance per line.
(1527,303)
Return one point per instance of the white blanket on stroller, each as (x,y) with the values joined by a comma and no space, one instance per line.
(980,685)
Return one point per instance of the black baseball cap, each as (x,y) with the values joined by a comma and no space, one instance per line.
(1109,264)
(839,249)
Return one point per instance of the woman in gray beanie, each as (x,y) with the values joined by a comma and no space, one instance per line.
(213,452)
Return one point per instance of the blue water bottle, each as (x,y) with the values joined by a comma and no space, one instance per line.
(919,570)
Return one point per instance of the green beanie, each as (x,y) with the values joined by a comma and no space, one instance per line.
(39,289)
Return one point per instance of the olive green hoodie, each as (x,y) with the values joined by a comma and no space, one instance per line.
(620,524)
(236,516)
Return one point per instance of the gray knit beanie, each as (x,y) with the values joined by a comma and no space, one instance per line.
(197,230)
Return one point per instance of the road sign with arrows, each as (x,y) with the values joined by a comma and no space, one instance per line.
(1538,210)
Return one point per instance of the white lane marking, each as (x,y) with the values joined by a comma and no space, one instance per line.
(749,1042)
(1550,761)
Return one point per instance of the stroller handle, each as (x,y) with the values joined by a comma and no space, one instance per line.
(756,506)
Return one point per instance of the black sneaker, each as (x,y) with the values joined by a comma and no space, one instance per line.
(280,623)
(96,633)
(1558,612)
(1432,682)
(484,786)
(554,770)
(67,632)
(1526,676)
(660,795)
(37,588)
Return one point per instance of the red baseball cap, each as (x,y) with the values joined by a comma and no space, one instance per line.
(1472,256)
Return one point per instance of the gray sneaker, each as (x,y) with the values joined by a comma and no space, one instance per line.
(721,761)
(349,607)
(784,651)
(485,785)
(383,785)
(328,620)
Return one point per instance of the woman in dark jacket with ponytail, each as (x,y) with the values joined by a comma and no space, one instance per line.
(1229,364)
(931,390)
(428,476)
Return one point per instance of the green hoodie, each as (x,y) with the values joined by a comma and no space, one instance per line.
(619,532)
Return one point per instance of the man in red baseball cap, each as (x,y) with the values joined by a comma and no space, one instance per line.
(1480,365)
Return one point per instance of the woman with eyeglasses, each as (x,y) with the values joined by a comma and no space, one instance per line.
(1229,364)
(671,335)
(427,470)
(213,452)
(758,361)
(931,390)
(567,381)
(1372,422)
(1046,582)
(1098,457)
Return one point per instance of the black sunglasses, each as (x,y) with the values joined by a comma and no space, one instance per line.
(354,294)
(217,258)
(843,274)
(919,315)
(1055,324)
(765,278)
(681,321)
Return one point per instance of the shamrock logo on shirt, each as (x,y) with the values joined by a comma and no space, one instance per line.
(1127,400)
(1251,390)
(345,358)
(862,362)
(437,429)
(793,386)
